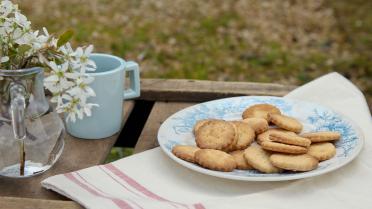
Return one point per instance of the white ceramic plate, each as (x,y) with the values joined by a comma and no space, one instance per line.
(177,129)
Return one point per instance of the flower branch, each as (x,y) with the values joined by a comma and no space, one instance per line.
(68,79)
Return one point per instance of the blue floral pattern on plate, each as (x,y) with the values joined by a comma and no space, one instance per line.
(177,129)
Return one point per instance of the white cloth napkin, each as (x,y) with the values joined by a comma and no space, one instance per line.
(152,180)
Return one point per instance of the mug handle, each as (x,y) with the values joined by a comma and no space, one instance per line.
(134,91)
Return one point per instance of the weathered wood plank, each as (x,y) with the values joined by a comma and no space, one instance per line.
(159,113)
(77,154)
(200,90)
(27,203)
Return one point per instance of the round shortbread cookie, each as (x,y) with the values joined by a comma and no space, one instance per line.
(241,162)
(185,152)
(283,148)
(265,136)
(215,134)
(259,159)
(260,111)
(303,162)
(286,122)
(292,139)
(215,160)
(322,151)
(323,136)
(259,125)
(232,146)
(199,124)
(245,134)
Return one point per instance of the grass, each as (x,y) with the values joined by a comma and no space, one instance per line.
(118,153)
(288,42)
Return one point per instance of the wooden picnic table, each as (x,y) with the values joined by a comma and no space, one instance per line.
(142,118)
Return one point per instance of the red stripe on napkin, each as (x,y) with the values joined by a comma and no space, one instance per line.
(120,203)
(141,188)
(107,195)
(125,187)
(199,206)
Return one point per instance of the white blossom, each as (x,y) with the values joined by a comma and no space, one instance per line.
(82,88)
(6,7)
(87,108)
(22,21)
(47,39)
(46,33)
(83,61)
(68,52)
(57,98)
(70,107)
(58,81)
(6,28)
(32,39)
(17,35)
(75,108)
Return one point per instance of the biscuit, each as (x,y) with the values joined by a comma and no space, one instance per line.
(323,136)
(185,152)
(303,162)
(291,139)
(215,134)
(245,135)
(322,151)
(199,124)
(265,136)
(283,148)
(259,159)
(286,122)
(259,125)
(232,147)
(260,111)
(241,162)
(215,160)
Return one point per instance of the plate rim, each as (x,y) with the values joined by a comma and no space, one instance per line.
(301,175)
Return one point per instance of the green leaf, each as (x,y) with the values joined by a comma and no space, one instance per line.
(23,48)
(64,38)
(12,52)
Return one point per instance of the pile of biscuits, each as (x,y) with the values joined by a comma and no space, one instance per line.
(265,140)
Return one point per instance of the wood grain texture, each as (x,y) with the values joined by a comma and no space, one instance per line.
(27,203)
(200,90)
(159,113)
(77,154)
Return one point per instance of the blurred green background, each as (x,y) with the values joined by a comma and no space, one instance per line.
(280,41)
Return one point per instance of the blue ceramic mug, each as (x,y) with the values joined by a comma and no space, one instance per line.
(109,87)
